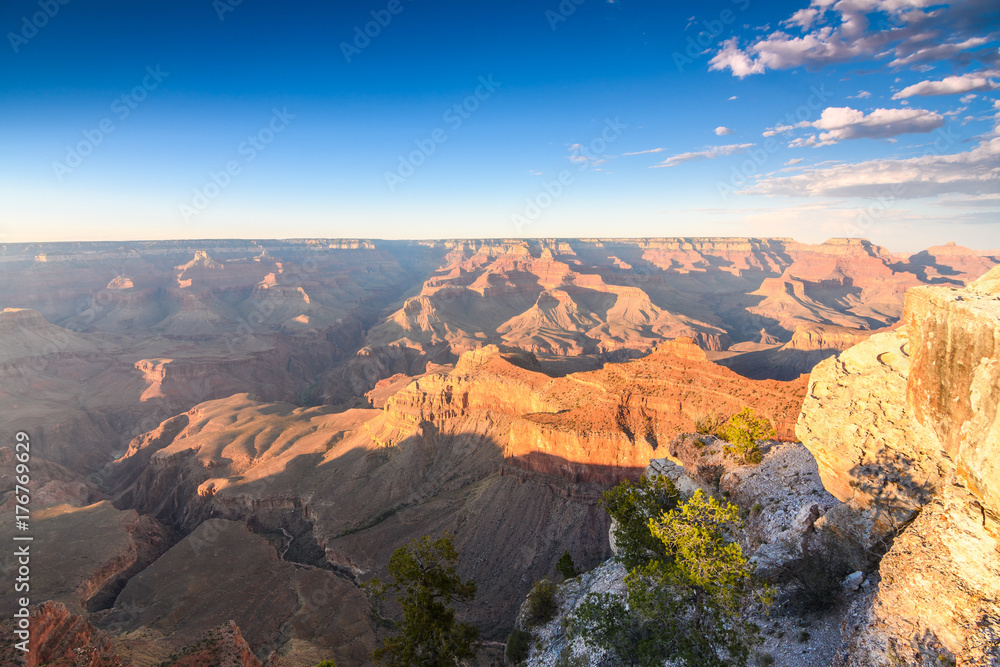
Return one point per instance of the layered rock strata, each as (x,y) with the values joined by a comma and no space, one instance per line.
(905,429)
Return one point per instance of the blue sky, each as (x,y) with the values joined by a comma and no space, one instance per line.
(202,119)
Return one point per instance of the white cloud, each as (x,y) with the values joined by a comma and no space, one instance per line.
(733,98)
(973,172)
(969,201)
(913,32)
(722,131)
(732,57)
(581,155)
(793,161)
(950,85)
(862,95)
(937,52)
(842,123)
(804,18)
(709,153)
(778,129)
(651,150)
(968,98)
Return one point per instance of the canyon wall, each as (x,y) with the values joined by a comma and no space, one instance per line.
(905,428)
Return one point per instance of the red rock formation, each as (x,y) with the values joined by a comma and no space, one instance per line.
(223,646)
(825,337)
(59,639)
(597,425)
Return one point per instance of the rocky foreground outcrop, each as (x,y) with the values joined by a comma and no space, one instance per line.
(781,500)
(905,429)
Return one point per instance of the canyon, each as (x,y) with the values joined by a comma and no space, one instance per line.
(897,462)
(229,437)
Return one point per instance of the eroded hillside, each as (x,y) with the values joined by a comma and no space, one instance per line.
(313,405)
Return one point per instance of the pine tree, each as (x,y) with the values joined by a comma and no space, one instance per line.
(426,586)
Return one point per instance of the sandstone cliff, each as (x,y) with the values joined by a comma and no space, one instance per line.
(905,428)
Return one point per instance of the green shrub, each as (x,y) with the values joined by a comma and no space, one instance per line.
(542,604)
(632,506)
(743,431)
(689,604)
(566,567)
(518,647)
(709,423)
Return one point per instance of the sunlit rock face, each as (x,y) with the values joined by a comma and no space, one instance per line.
(954,385)
(905,427)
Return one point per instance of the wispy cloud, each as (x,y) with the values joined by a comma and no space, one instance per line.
(969,201)
(974,172)
(651,150)
(585,158)
(709,153)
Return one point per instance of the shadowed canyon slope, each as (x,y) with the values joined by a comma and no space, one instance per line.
(511,460)
(313,405)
